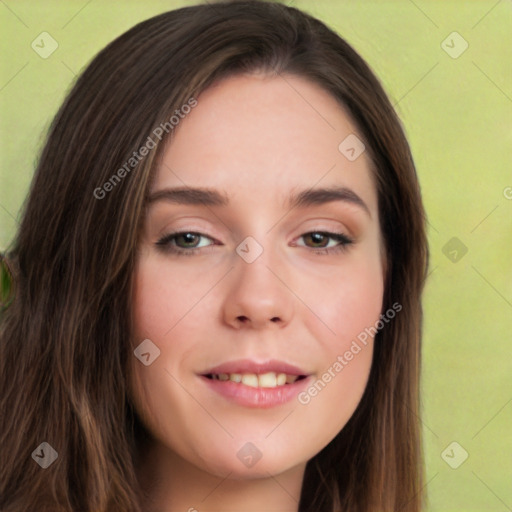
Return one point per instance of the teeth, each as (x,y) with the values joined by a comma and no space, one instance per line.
(281,379)
(265,380)
(250,379)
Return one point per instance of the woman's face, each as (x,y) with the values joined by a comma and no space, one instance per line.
(258,287)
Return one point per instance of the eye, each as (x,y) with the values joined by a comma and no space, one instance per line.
(188,238)
(186,242)
(320,237)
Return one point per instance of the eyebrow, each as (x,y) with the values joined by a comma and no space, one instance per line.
(210,197)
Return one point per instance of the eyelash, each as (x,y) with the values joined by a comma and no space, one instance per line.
(165,245)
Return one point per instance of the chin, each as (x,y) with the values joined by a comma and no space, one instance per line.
(247,462)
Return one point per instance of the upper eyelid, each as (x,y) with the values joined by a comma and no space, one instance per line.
(341,227)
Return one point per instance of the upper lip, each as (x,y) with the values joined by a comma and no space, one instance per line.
(250,366)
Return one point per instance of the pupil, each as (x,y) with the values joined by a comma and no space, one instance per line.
(189,238)
(317,237)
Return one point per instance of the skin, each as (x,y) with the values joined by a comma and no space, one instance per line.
(258,139)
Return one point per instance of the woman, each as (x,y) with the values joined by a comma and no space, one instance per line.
(265,372)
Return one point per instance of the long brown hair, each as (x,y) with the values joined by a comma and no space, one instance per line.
(65,338)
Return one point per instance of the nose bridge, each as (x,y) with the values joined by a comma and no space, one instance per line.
(253,264)
(256,294)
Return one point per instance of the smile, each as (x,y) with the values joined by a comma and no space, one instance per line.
(264,380)
(251,384)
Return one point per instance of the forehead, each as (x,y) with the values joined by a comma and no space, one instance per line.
(256,137)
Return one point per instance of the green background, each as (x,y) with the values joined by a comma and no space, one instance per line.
(457,114)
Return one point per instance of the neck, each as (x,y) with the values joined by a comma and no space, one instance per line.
(171,484)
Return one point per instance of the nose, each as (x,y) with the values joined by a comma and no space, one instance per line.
(258,295)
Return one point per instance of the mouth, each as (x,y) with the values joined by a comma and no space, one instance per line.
(253,384)
(254,380)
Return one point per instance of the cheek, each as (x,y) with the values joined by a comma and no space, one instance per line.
(160,304)
(347,301)
(352,310)
(163,297)
(164,304)
(350,305)
(330,401)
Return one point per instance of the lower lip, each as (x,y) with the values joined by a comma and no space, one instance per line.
(262,398)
